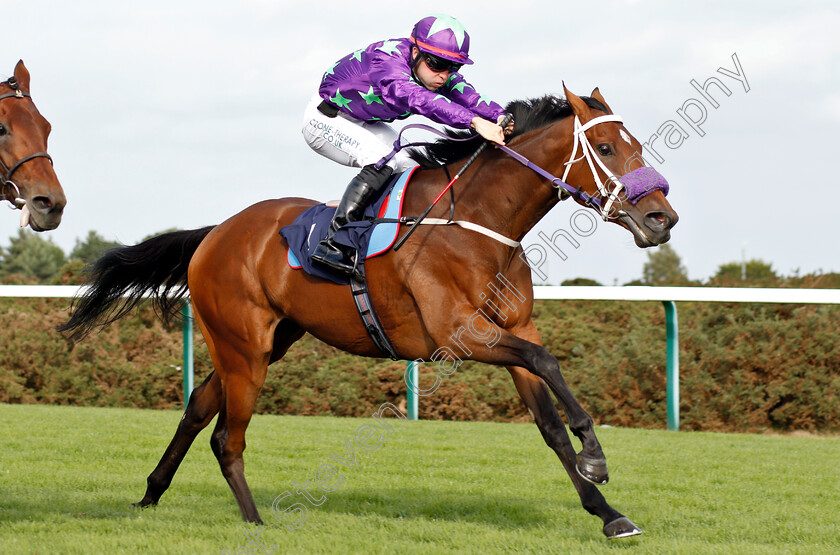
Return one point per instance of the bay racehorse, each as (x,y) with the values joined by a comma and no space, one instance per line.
(35,189)
(251,306)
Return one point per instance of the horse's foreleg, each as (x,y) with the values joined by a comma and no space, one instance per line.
(537,398)
(204,403)
(523,350)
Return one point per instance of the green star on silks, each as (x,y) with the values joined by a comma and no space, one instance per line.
(444,22)
(371,97)
(339,100)
(481,99)
(389,47)
(443,97)
(460,86)
(358,55)
(330,71)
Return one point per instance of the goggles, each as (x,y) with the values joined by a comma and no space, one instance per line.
(439,64)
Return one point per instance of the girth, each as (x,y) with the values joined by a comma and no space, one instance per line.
(365,307)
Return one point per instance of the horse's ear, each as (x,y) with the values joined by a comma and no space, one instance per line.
(579,107)
(22,76)
(596,94)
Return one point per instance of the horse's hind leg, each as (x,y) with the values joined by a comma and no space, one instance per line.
(204,403)
(538,400)
(245,365)
(228,439)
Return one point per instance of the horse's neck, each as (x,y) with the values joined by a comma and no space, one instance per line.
(510,198)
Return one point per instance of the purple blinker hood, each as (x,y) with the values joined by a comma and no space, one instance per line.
(641,182)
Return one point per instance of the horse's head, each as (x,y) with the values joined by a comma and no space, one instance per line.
(631,194)
(27,179)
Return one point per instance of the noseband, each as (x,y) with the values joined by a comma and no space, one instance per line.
(9,190)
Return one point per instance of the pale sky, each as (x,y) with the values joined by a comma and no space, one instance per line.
(182,113)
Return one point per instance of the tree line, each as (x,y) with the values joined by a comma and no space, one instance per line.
(33,258)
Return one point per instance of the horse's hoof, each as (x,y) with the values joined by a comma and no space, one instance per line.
(621,528)
(143,503)
(593,470)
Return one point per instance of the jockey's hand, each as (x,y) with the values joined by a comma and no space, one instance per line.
(489,130)
(508,127)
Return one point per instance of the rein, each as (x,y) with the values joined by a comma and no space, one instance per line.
(9,191)
(636,184)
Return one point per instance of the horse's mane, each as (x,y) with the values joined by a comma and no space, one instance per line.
(528,115)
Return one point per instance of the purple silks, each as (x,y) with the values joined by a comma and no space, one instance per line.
(641,182)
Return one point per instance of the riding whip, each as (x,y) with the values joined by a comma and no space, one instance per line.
(503,124)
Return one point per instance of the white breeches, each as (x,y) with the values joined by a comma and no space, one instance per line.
(349,141)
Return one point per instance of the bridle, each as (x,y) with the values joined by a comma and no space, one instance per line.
(589,154)
(9,191)
(636,184)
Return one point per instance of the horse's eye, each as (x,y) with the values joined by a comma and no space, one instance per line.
(3,130)
(604,149)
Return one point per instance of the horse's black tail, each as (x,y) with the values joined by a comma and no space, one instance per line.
(124,276)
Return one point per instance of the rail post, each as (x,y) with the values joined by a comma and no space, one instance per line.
(412,400)
(673,365)
(186,313)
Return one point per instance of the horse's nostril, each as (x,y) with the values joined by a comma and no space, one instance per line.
(658,221)
(42,204)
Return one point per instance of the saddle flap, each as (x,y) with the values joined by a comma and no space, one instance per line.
(367,235)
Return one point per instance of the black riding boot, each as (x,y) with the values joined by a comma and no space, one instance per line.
(352,206)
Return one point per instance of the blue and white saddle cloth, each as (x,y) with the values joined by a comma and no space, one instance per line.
(367,235)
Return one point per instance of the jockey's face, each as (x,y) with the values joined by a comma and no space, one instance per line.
(429,78)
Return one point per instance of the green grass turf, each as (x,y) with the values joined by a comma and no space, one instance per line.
(68,476)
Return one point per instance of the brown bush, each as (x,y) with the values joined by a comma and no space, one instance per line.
(744,367)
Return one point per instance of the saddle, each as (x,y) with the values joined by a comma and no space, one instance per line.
(373,235)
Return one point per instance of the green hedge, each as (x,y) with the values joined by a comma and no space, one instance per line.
(744,367)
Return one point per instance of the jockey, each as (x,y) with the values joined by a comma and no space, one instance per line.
(347,120)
